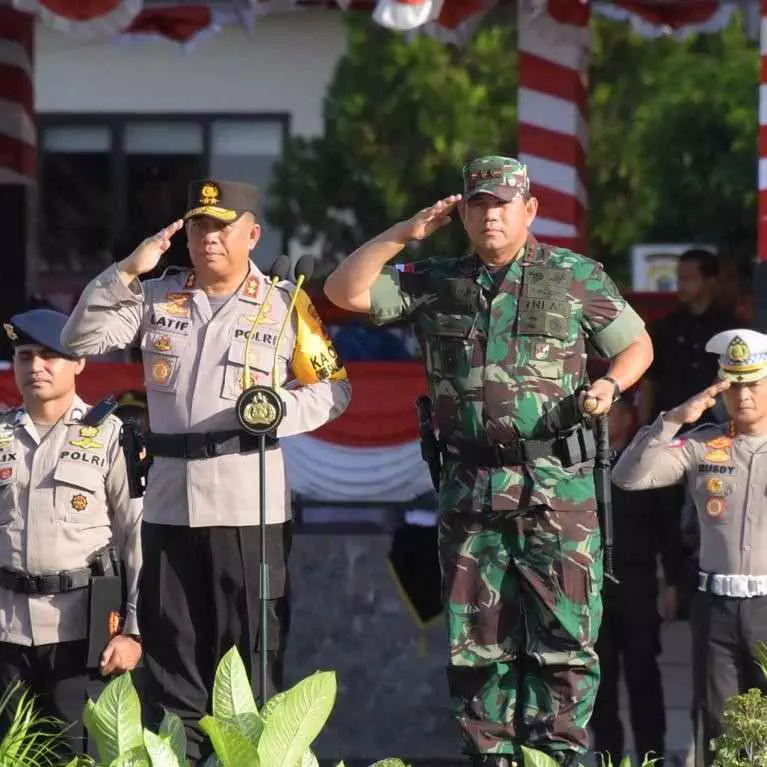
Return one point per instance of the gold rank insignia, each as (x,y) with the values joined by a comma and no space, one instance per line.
(79,502)
(161,371)
(209,194)
(738,350)
(719,443)
(89,431)
(715,507)
(250,288)
(86,441)
(162,343)
(10,331)
(178,304)
(717,455)
(5,440)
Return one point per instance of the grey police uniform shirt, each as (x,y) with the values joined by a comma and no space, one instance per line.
(726,478)
(194,365)
(62,499)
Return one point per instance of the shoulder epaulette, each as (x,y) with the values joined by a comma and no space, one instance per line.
(99,412)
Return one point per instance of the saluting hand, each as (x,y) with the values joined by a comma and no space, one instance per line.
(148,254)
(121,654)
(428,220)
(690,411)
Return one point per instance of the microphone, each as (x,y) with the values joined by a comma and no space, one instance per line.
(278,272)
(303,271)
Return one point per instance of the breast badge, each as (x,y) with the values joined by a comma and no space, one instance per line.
(86,440)
(177,304)
(720,443)
(715,507)
(162,343)
(79,502)
(161,371)
(716,487)
(717,455)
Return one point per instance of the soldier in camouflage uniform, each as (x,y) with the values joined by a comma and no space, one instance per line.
(504,331)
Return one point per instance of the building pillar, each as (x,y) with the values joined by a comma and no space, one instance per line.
(552,115)
(18,162)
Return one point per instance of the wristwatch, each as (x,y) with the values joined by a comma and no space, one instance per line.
(616,386)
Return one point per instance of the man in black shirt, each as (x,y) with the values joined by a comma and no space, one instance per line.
(630,631)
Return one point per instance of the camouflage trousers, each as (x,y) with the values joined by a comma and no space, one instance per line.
(522,596)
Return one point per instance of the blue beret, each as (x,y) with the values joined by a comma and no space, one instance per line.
(39,326)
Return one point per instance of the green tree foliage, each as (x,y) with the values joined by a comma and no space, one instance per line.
(672,146)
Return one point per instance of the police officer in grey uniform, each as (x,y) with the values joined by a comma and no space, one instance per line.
(206,334)
(65,520)
(724,468)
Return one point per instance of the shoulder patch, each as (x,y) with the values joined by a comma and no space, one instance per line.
(99,412)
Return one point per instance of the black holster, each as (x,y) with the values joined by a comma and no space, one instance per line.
(430,450)
(106,601)
(137,461)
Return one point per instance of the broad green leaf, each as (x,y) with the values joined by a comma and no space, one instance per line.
(309,759)
(232,694)
(231,746)
(292,727)
(250,725)
(160,750)
(172,727)
(133,757)
(114,720)
(272,705)
(535,758)
(389,763)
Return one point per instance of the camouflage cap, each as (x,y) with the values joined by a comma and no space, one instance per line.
(223,200)
(503,177)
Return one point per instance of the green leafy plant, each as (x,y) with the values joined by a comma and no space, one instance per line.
(32,740)
(280,735)
(531,757)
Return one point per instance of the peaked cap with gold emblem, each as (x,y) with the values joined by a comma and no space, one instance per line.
(742,354)
(222,200)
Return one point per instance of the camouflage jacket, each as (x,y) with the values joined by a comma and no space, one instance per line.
(508,361)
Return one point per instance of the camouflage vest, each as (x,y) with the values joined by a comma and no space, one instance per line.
(507,361)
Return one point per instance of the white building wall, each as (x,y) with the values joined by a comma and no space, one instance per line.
(283,65)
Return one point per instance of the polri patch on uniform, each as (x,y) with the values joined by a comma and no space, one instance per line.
(79,502)
(6,473)
(250,288)
(717,455)
(715,507)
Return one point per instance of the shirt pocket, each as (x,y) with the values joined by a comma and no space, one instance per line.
(260,360)
(161,355)
(449,343)
(78,494)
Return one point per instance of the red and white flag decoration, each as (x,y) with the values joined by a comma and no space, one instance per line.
(83,18)
(682,17)
(18,135)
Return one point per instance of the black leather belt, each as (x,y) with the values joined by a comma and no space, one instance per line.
(22,582)
(209,444)
(102,562)
(570,449)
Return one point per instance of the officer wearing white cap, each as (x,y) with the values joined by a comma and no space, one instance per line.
(66,524)
(725,470)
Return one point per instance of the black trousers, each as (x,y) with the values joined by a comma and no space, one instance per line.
(199,596)
(629,639)
(56,674)
(724,632)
